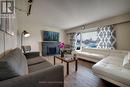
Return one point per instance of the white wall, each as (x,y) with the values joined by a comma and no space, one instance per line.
(7,41)
(113,20)
(34,27)
(121,25)
(123,36)
(1,42)
(24,23)
(36,37)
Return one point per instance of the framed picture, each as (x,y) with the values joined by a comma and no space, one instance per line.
(7,26)
(50,36)
(7,19)
(2,24)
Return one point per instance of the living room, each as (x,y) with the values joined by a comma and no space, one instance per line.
(70,43)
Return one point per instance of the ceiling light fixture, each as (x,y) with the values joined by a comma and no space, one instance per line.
(83,27)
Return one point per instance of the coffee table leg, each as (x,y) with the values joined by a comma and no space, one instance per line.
(76,65)
(67,68)
(54,60)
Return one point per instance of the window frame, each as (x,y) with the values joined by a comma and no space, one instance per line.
(81,44)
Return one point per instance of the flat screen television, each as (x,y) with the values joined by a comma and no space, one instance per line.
(50,36)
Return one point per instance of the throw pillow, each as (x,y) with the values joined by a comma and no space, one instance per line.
(126,62)
(17,61)
(6,71)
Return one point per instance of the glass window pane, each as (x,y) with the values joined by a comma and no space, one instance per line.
(89,39)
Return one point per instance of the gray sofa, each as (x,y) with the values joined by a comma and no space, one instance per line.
(17,71)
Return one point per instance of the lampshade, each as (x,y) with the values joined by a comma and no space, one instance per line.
(26,34)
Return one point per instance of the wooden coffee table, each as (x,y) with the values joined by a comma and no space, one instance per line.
(67,59)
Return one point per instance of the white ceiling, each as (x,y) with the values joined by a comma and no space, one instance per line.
(65,14)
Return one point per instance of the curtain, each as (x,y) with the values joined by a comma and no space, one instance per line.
(78,41)
(73,40)
(106,37)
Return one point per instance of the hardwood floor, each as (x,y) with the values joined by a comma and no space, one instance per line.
(84,77)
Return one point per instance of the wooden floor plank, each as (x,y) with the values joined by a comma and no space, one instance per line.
(84,77)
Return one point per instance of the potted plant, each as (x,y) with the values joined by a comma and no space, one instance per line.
(61,46)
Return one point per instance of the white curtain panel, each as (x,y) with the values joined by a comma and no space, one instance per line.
(73,40)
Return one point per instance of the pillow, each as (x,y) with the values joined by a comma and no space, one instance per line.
(6,71)
(17,61)
(126,62)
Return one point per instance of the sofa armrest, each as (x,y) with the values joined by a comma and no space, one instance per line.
(50,77)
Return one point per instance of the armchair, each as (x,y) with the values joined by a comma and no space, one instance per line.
(28,53)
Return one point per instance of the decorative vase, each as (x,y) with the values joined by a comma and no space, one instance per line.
(62,53)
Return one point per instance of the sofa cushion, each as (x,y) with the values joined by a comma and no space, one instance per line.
(17,61)
(35,60)
(126,62)
(113,60)
(112,71)
(39,66)
(6,72)
(91,55)
(118,53)
(97,51)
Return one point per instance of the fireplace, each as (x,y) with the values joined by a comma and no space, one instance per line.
(50,48)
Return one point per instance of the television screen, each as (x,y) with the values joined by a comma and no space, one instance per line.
(50,36)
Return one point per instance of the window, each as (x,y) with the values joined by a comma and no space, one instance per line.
(103,37)
(86,39)
(89,39)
